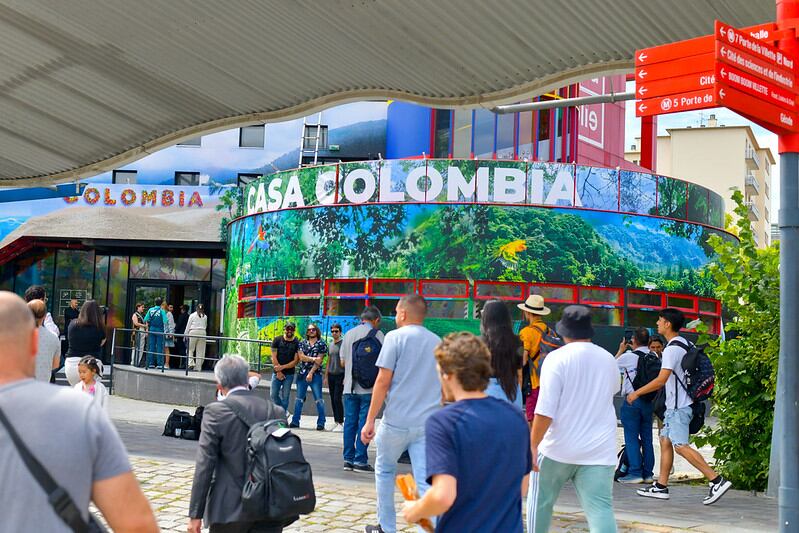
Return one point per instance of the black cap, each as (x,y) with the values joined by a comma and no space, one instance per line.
(575,323)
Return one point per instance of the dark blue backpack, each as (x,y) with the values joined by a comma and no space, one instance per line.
(364,359)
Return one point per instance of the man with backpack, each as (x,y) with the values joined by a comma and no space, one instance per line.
(535,350)
(686,385)
(638,367)
(408,382)
(221,474)
(156,320)
(358,354)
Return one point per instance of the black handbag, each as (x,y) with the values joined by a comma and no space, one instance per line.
(59,498)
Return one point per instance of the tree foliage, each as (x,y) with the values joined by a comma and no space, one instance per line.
(747,283)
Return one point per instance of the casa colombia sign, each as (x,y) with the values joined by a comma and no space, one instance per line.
(416,181)
(736,68)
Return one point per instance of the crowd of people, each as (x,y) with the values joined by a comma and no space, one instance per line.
(488,421)
(157,335)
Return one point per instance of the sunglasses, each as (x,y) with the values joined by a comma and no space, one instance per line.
(335,331)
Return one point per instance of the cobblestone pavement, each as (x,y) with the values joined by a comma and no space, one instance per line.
(346,500)
(340,508)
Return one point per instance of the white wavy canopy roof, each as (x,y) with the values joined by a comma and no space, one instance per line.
(86,86)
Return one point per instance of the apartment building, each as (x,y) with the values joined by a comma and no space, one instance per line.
(721,158)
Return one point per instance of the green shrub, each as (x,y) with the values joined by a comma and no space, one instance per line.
(747,280)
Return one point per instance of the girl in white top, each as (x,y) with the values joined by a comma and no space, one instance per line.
(90,370)
(196,328)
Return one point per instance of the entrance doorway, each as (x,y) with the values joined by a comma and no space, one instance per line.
(175,293)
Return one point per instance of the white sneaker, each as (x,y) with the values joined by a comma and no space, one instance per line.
(337,428)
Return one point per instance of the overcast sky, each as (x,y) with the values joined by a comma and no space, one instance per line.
(765,138)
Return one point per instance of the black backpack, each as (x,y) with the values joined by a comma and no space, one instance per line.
(176,423)
(646,370)
(364,359)
(622,464)
(279,483)
(700,377)
(550,341)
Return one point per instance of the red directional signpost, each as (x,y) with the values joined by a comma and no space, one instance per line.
(743,70)
(732,68)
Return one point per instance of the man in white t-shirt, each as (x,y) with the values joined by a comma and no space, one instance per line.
(677,419)
(574,429)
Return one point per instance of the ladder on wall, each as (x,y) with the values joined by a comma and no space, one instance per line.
(310,140)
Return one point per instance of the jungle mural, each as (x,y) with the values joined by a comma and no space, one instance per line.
(479,241)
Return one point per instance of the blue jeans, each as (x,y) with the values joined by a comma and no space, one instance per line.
(280,391)
(356,407)
(637,422)
(155,348)
(391,442)
(302,391)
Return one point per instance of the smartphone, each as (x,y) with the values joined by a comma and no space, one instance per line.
(628,336)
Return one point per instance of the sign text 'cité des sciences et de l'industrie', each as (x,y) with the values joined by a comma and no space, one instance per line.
(493,184)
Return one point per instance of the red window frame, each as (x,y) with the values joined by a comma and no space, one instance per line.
(329,282)
(243,304)
(463,282)
(618,291)
(271,283)
(519,298)
(693,310)
(572,288)
(716,304)
(644,306)
(291,283)
(371,292)
(247,286)
(261,303)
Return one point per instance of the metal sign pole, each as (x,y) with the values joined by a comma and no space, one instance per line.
(786,422)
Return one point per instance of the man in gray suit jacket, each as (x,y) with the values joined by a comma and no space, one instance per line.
(222,458)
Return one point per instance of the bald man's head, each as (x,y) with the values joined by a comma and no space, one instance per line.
(18,338)
(411,309)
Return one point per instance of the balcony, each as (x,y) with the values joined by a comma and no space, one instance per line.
(752,186)
(755,238)
(754,212)
(752,160)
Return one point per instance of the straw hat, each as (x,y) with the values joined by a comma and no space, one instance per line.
(535,304)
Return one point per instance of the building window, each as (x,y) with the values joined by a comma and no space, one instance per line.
(187,178)
(244,179)
(462,134)
(443,121)
(196,141)
(309,139)
(506,142)
(124,177)
(484,128)
(251,136)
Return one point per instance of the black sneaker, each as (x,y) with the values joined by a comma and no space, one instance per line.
(717,490)
(374,529)
(293,425)
(320,428)
(366,469)
(653,491)
(347,466)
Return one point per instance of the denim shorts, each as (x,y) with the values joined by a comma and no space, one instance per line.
(676,423)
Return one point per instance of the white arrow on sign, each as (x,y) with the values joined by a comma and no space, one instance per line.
(723,52)
(642,90)
(723,73)
(642,56)
(642,74)
(722,31)
(721,93)
(642,108)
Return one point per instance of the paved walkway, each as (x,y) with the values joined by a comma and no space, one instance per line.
(164,466)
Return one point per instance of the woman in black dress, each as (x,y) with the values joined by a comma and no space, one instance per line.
(86,336)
